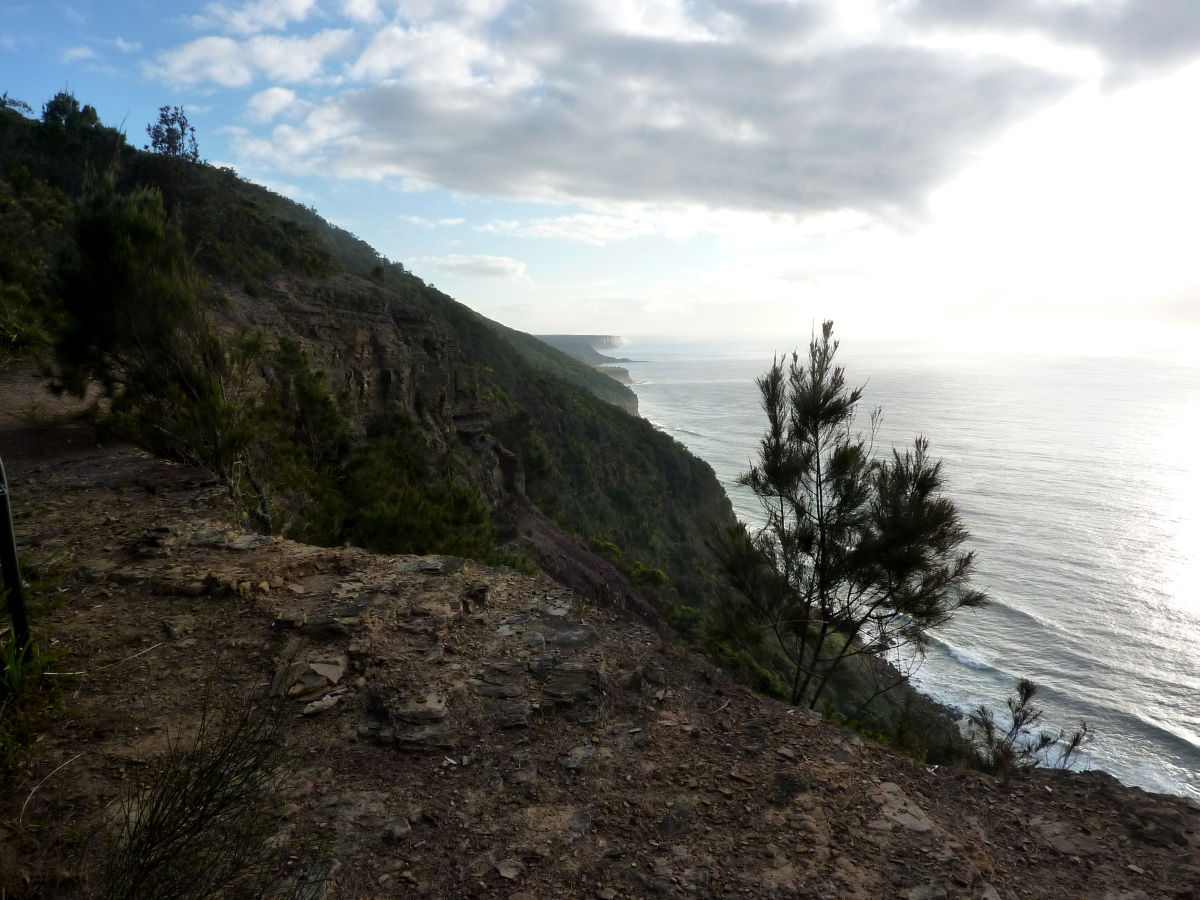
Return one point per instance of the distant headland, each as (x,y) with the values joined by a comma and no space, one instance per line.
(584,347)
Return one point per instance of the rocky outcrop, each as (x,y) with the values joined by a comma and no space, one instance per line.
(617,373)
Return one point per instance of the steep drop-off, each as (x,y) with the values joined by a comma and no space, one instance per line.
(541,437)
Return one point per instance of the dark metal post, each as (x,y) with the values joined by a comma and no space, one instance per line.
(10,569)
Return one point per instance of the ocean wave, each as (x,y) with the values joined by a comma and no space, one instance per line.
(965,657)
(968,660)
(1016,614)
(1171,734)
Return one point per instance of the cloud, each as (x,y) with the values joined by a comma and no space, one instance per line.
(254,16)
(232,63)
(650,120)
(475,266)
(418,222)
(587,228)
(1132,36)
(74,54)
(429,224)
(92,50)
(361,10)
(216,59)
(673,103)
(266,105)
(799,108)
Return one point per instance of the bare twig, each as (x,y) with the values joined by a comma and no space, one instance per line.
(111,664)
(21,815)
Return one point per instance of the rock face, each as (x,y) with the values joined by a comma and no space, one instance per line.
(475,398)
(454,730)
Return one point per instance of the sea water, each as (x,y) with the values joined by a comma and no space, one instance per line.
(1079,480)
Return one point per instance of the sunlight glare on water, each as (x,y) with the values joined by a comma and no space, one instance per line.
(1181,476)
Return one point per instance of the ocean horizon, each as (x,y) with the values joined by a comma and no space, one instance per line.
(1080,485)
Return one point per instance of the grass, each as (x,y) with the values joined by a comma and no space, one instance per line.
(27,699)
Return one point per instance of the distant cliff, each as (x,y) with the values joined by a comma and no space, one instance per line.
(574,368)
(583,346)
(595,341)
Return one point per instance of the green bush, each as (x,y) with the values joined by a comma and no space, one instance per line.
(1007,750)
(399,503)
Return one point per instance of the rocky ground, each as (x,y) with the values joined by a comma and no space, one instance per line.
(454,730)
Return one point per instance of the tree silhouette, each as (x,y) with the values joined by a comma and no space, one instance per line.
(172,136)
(859,556)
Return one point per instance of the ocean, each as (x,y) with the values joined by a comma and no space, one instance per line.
(1079,480)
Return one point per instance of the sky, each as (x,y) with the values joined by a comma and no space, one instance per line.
(973,174)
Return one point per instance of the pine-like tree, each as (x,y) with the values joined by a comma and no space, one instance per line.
(859,557)
(173,136)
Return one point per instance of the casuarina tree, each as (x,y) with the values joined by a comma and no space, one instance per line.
(861,555)
(173,136)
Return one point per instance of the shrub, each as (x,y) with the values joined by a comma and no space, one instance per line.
(26,698)
(1005,751)
(200,826)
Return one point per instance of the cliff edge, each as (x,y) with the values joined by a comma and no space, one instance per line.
(452,729)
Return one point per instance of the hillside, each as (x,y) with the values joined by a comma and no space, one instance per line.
(452,729)
(343,399)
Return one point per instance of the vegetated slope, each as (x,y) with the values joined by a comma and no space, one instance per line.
(374,394)
(549,358)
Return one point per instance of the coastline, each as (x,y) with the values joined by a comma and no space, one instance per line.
(1133,740)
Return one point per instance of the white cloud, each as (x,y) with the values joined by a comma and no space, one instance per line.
(254,16)
(599,229)
(232,63)
(430,224)
(267,104)
(418,222)
(92,50)
(456,67)
(361,10)
(295,58)
(676,103)
(217,59)
(74,54)
(474,266)
(676,118)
